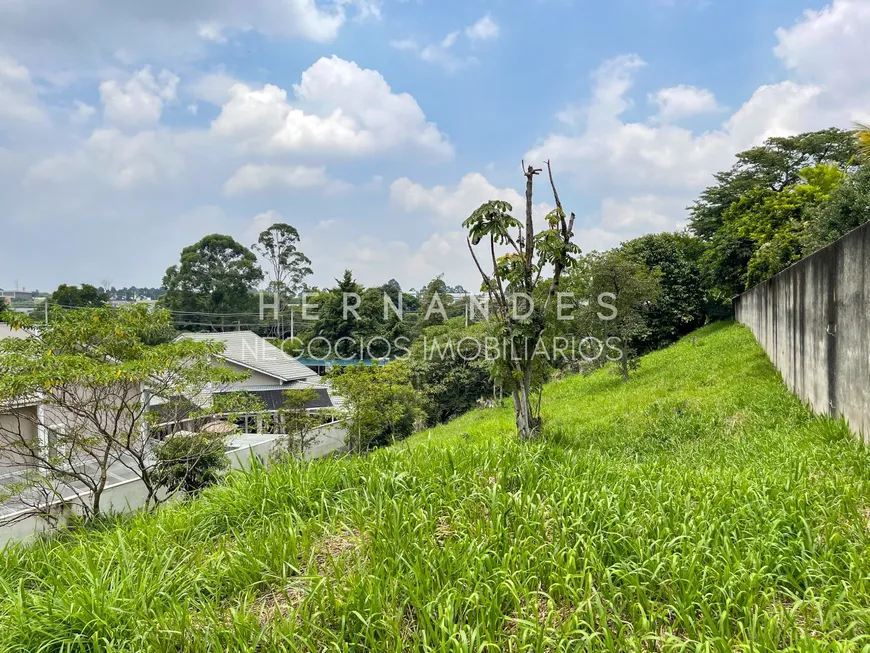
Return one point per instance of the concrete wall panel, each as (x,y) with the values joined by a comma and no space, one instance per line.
(813,320)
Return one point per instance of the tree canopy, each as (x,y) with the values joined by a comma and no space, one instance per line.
(215,276)
(760,216)
(85,295)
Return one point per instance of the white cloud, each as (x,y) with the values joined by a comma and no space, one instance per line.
(252,178)
(213,88)
(645,212)
(831,47)
(405,44)
(19,99)
(483,30)
(52,34)
(452,205)
(211,32)
(683,101)
(444,52)
(140,100)
(341,109)
(112,158)
(441,53)
(83,112)
(610,155)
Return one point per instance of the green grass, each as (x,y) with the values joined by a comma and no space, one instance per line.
(699,507)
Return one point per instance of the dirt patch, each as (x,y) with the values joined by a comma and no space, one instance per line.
(279,604)
(336,548)
(327,560)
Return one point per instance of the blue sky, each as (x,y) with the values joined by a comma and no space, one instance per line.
(129,130)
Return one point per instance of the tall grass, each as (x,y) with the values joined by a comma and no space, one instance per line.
(699,507)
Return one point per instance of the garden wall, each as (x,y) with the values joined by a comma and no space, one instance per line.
(813,320)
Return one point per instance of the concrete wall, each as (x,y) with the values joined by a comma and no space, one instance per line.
(130,495)
(813,320)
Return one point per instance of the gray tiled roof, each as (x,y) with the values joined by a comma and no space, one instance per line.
(248,349)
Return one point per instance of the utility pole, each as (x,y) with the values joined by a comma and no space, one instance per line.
(45,301)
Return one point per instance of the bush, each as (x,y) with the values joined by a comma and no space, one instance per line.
(190,462)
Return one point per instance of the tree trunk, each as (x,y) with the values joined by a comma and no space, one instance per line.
(523,413)
(527,423)
(624,365)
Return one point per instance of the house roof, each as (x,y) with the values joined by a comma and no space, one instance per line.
(327,395)
(249,350)
(274,398)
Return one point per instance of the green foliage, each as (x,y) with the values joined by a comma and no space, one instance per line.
(450,369)
(369,330)
(699,508)
(381,405)
(215,275)
(758,217)
(72,296)
(289,266)
(96,370)
(520,274)
(847,208)
(297,422)
(775,166)
(190,462)
(682,303)
(616,295)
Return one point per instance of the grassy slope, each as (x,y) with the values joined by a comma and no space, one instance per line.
(699,503)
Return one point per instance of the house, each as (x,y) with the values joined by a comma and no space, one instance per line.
(271,371)
(255,436)
(16,294)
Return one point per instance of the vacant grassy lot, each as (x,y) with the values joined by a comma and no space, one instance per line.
(699,507)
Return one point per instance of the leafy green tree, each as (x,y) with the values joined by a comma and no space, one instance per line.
(520,271)
(214,279)
(847,208)
(682,301)
(435,303)
(190,462)
(380,402)
(774,166)
(449,367)
(288,266)
(297,422)
(96,377)
(764,231)
(72,296)
(617,296)
(339,327)
(862,134)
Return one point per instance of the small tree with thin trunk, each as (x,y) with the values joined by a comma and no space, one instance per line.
(297,423)
(631,290)
(520,274)
(287,266)
(81,391)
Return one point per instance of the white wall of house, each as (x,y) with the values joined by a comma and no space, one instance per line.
(7,331)
(255,378)
(17,421)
